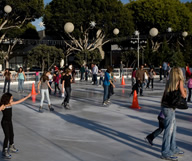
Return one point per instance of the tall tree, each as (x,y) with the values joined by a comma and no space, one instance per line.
(13,39)
(107,14)
(23,12)
(161,14)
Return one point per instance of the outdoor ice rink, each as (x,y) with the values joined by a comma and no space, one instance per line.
(91,132)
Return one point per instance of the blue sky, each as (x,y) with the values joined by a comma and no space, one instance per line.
(36,23)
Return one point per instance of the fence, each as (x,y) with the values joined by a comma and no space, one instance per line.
(30,76)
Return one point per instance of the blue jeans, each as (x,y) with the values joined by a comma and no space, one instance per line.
(169,147)
(43,92)
(20,84)
(141,85)
(100,80)
(106,91)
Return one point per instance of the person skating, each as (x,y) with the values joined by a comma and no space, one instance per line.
(140,75)
(175,83)
(6,123)
(21,78)
(8,79)
(106,83)
(66,83)
(44,91)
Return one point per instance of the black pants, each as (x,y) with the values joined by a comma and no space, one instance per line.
(158,131)
(95,78)
(7,127)
(86,76)
(5,84)
(110,91)
(150,80)
(67,94)
(56,87)
(50,88)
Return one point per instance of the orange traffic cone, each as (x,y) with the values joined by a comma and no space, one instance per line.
(135,103)
(33,92)
(33,98)
(122,81)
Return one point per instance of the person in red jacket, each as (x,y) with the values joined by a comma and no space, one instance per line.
(188,72)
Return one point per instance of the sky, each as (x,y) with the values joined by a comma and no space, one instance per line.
(36,22)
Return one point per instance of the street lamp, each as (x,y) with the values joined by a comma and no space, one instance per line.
(114,47)
(137,34)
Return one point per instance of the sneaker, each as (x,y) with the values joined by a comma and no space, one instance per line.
(170,158)
(148,140)
(180,153)
(5,154)
(104,104)
(108,101)
(12,149)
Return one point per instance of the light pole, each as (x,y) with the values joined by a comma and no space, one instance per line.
(68,28)
(113,47)
(137,34)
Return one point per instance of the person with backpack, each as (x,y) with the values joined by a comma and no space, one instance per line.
(189,85)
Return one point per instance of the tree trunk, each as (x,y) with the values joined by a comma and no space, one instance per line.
(7,63)
(43,65)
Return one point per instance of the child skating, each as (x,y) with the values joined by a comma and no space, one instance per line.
(66,83)
(6,123)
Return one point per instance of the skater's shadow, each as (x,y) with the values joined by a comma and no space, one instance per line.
(129,140)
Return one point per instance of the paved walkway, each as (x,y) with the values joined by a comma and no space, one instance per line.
(91,132)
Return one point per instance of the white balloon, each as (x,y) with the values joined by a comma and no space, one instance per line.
(7,9)
(153,32)
(184,34)
(69,27)
(116,31)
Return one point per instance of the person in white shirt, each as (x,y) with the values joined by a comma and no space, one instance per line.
(95,72)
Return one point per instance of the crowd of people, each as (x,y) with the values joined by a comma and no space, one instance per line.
(62,80)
